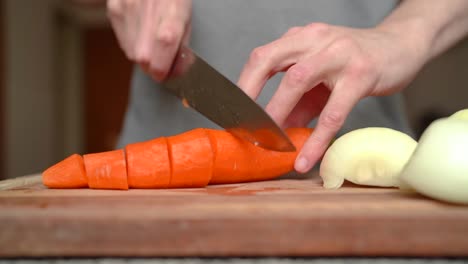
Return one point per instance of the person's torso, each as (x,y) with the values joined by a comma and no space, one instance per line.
(225,32)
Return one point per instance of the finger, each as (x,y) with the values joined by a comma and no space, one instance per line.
(145,30)
(291,31)
(122,18)
(118,25)
(187,34)
(308,107)
(266,61)
(114,6)
(301,78)
(133,19)
(168,36)
(115,9)
(342,99)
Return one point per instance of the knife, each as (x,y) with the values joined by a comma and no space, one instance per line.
(210,93)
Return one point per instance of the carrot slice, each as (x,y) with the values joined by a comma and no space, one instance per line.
(106,170)
(240,161)
(148,164)
(191,156)
(68,173)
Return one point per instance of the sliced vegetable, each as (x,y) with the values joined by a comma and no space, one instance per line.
(369,156)
(106,170)
(191,158)
(148,164)
(68,173)
(237,160)
(439,166)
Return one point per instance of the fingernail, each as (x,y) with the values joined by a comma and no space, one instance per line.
(302,165)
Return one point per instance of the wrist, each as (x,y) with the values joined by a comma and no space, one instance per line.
(433,27)
(414,33)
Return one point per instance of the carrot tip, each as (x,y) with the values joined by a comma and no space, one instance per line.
(68,173)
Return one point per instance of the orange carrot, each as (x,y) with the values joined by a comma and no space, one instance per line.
(106,170)
(240,161)
(68,173)
(191,158)
(148,164)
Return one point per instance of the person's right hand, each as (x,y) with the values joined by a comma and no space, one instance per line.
(151,31)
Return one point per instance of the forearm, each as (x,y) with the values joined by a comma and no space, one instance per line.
(430,26)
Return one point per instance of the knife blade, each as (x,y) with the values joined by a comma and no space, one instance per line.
(210,93)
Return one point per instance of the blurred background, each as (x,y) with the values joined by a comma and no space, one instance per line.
(64,83)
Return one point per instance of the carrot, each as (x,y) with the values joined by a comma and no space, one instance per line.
(240,161)
(68,173)
(106,170)
(148,164)
(191,158)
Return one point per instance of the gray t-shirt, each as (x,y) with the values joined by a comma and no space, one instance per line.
(225,32)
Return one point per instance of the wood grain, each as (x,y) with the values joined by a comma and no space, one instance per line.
(271,218)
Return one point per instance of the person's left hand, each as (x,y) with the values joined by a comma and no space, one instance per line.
(328,70)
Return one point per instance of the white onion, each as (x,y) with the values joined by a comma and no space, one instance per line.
(438,167)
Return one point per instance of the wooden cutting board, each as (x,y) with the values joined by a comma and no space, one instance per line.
(292,217)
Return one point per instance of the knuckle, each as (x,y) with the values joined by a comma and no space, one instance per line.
(332,120)
(319,29)
(120,7)
(168,36)
(361,66)
(259,55)
(114,7)
(141,55)
(293,30)
(297,76)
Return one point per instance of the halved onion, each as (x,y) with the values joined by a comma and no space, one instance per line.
(369,156)
(438,167)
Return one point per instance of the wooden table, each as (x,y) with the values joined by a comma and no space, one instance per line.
(291,217)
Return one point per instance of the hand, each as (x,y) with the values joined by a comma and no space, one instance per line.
(328,70)
(151,31)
